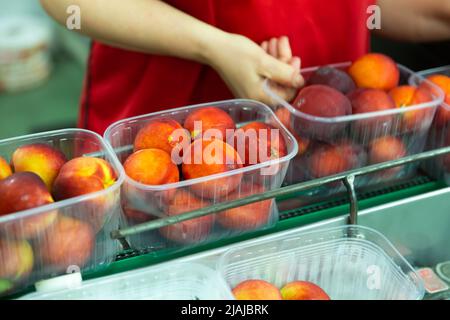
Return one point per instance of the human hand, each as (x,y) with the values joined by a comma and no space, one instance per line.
(244,66)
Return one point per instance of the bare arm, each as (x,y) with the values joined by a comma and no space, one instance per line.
(415,20)
(153,26)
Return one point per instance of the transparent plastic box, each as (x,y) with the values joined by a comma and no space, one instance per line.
(348,263)
(180,281)
(98,213)
(142,203)
(357,131)
(439,136)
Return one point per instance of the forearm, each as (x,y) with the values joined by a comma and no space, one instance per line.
(415,20)
(149,26)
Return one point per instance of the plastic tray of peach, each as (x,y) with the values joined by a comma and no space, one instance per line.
(354,114)
(59,200)
(188,158)
(342,263)
(439,136)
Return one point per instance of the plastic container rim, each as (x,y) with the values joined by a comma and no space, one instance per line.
(67,202)
(190,182)
(432,104)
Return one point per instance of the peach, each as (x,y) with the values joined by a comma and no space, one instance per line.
(303,290)
(82,176)
(22,191)
(249,217)
(284,115)
(372,100)
(405,96)
(375,71)
(151,167)
(164,134)
(209,118)
(16,262)
(332,77)
(327,160)
(209,157)
(387,149)
(256,290)
(41,159)
(137,216)
(70,242)
(443,113)
(258,142)
(190,231)
(325,102)
(5,169)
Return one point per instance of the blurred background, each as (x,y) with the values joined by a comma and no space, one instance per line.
(42,67)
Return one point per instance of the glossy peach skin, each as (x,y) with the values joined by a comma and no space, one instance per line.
(386,149)
(405,96)
(249,217)
(82,176)
(443,113)
(256,290)
(41,159)
(211,118)
(208,157)
(375,71)
(190,231)
(332,77)
(5,169)
(372,100)
(303,290)
(285,117)
(320,101)
(16,262)
(70,242)
(165,134)
(249,139)
(23,191)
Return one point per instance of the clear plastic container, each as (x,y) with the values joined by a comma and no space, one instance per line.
(439,136)
(356,133)
(143,202)
(165,282)
(92,217)
(348,263)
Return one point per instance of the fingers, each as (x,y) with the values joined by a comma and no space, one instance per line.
(284,50)
(273,47)
(296,63)
(281,72)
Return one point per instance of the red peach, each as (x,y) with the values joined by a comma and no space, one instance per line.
(16,260)
(210,118)
(70,242)
(209,157)
(41,159)
(190,231)
(164,134)
(5,169)
(387,149)
(23,191)
(303,290)
(325,102)
(334,78)
(249,140)
(251,216)
(256,290)
(375,71)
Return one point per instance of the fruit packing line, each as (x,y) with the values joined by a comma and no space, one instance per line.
(347,178)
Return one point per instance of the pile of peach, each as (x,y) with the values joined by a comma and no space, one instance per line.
(263,290)
(166,152)
(40,175)
(370,84)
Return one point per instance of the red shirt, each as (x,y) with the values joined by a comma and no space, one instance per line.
(121,84)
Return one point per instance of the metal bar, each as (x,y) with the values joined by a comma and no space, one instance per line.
(156,224)
(349,182)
